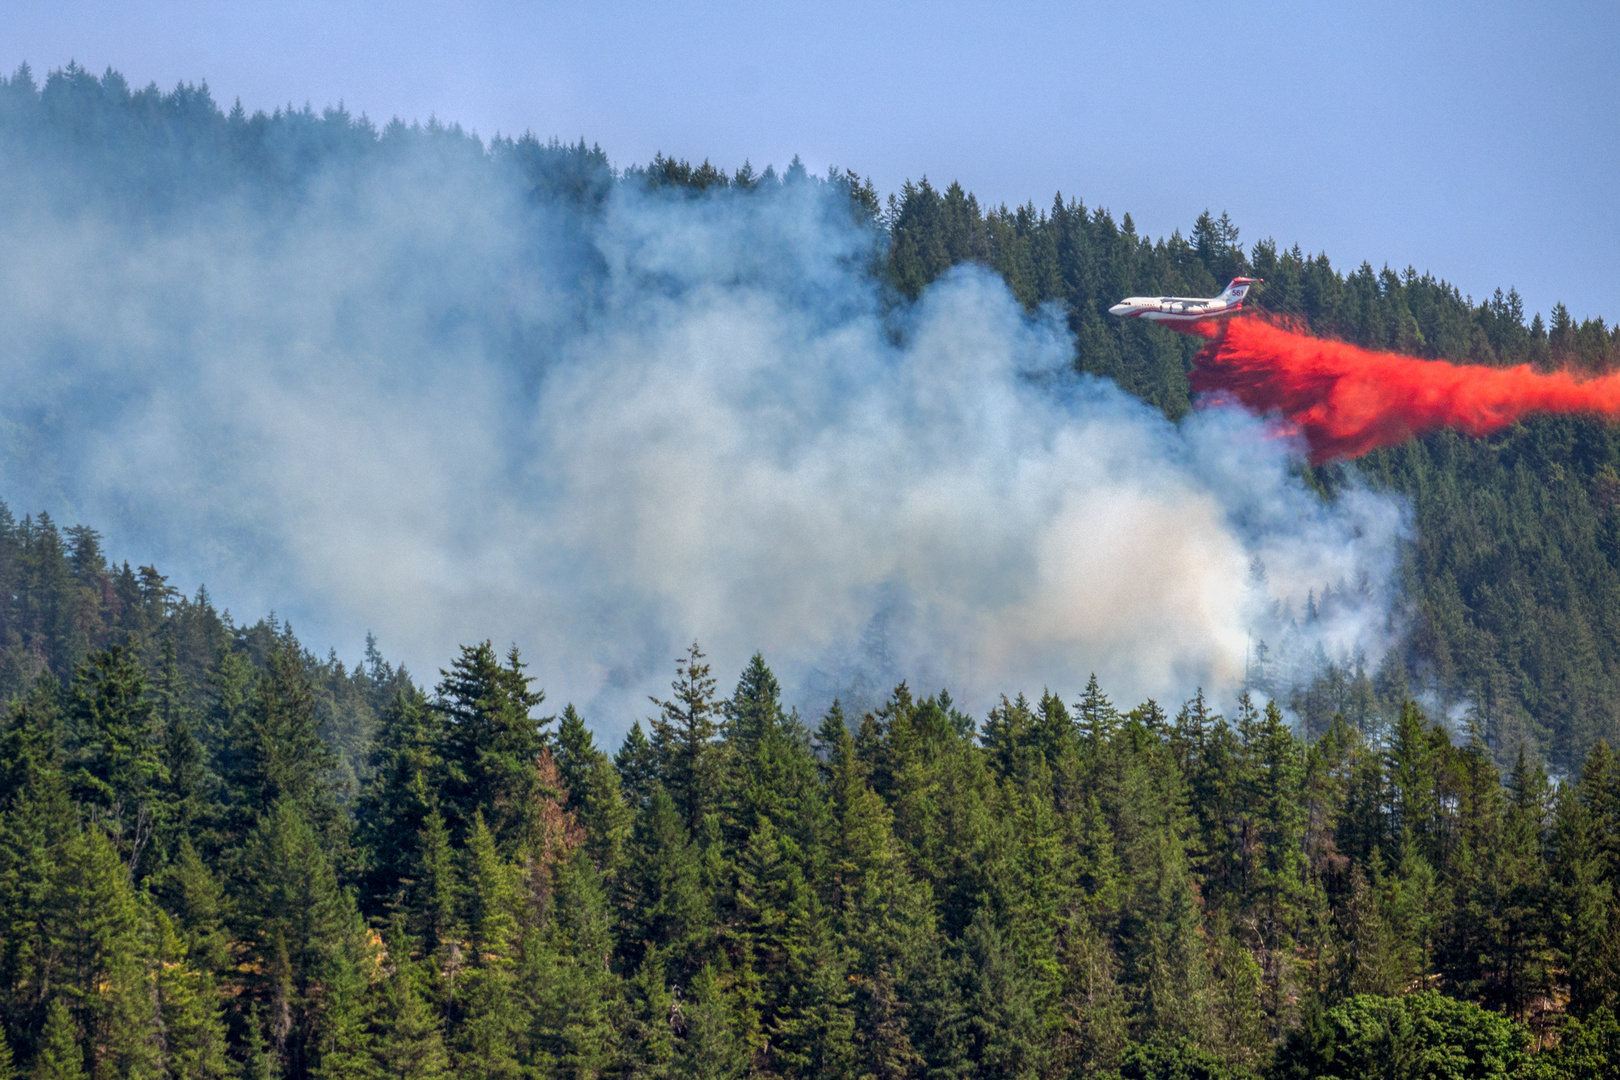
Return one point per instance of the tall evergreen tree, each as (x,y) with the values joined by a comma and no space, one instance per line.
(637,765)
(492,745)
(276,751)
(407,1039)
(489,1023)
(406,771)
(59,1056)
(118,769)
(191,1036)
(682,739)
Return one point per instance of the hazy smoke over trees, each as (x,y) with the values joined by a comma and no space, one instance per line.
(412,391)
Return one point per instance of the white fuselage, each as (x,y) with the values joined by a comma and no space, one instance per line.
(1171,308)
(1185,309)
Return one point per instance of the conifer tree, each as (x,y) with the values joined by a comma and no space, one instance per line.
(1585,918)
(773,910)
(436,892)
(1008,735)
(576,754)
(276,751)
(1054,734)
(595,796)
(1238,1000)
(489,1023)
(97,939)
(1095,713)
(59,1056)
(1092,1011)
(406,771)
(259,1062)
(197,901)
(882,1035)
(832,743)
(342,1038)
(38,822)
(755,708)
(1279,882)
(191,1032)
(1600,791)
(1412,775)
(637,766)
(646,1034)
(407,1039)
(491,746)
(710,1045)
(1520,883)
(303,931)
(182,756)
(672,915)
(577,1005)
(118,770)
(770,770)
(1372,957)
(1215,780)
(1001,997)
(813,1033)
(605,817)
(682,736)
(224,720)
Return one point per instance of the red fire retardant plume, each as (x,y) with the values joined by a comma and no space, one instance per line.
(1348,400)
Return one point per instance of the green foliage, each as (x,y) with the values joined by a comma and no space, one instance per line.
(1585,1048)
(117,770)
(407,1037)
(490,743)
(1162,1060)
(711,1047)
(595,793)
(1422,1036)
(185,999)
(393,809)
(59,1056)
(1063,892)
(682,734)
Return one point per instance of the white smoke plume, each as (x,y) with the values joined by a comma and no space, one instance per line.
(410,402)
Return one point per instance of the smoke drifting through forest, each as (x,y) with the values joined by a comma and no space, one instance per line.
(414,399)
(1347,400)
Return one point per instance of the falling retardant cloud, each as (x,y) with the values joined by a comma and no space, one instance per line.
(413,400)
(1347,400)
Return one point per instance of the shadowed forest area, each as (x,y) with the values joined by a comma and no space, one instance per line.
(223,855)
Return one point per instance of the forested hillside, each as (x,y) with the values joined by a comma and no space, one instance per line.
(221,854)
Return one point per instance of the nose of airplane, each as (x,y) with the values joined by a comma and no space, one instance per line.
(1119,309)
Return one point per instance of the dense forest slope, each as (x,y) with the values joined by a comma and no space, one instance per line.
(223,855)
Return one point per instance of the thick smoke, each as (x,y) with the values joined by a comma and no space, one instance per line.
(412,401)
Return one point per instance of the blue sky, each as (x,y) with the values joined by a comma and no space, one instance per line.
(1479,141)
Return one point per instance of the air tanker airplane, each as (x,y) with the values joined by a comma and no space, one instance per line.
(1182,309)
